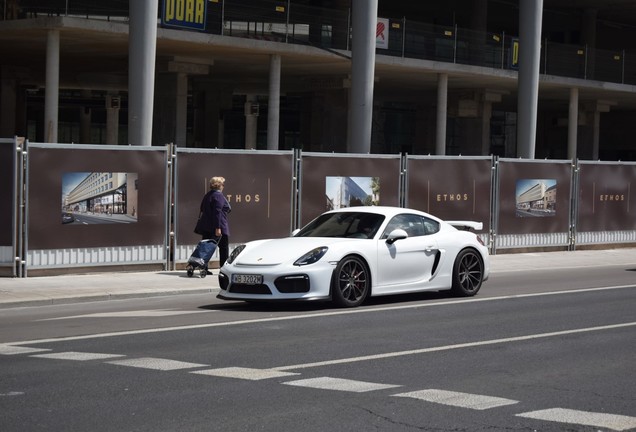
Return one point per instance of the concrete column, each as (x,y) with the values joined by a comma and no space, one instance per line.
(442,105)
(573,123)
(181,109)
(221,132)
(52,90)
(141,70)
(208,119)
(273,110)
(365,15)
(112,119)
(251,122)
(212,100)
(478,23)
(479,15)
(595,134)
(486,113)
(530,13)
(8,103)
(85,124)
(589,38)
(85,120)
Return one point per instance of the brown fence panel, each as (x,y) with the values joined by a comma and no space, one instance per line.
(8,201)
(257,186)
(332,181)
(451,188)
(534,196)
(7,190)
(99,220)
(606,198)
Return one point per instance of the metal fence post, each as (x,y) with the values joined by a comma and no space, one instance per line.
(574,203)
(348,28)
(296,189)
(494,205)
(503,50)
(455,46)
(222,17)
(287,23)
(171,175)
(545,57)
(404,184)
(623,69)
(585,64)
(403,36)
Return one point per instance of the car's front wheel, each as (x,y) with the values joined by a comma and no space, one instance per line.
(351,282)
(468,273)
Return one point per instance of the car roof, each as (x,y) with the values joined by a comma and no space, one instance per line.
(388,211)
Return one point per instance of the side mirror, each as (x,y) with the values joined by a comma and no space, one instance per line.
(396,234)
(294,232)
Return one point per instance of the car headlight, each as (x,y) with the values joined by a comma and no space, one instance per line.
(235,252)
(312,256)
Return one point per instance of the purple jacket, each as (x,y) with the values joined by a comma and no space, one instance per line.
(214,211)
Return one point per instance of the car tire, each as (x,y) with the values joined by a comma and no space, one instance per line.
(351,282)
(468,273)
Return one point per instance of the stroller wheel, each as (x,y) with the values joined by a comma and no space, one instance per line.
(190,270)
(203,272)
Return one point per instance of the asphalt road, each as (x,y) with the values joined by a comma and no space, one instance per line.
(548,350)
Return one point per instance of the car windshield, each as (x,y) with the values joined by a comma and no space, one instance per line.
(343,224)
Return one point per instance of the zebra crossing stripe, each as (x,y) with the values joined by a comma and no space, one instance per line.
(245,373)
(77,356)
(562,415)
(462,400)
(156,364)
(327,383)
(14,350)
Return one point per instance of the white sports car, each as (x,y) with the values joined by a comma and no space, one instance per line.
(349,254)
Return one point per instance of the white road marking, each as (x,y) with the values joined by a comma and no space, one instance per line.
(77,356)
(452,347)
(156,364)
(311,316)
(245,373)
(14,350)
(132,314)
(327,383)
(610,421)
(13,393)
(462,400)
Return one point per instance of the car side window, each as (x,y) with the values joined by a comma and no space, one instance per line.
(414,225)
(430,226)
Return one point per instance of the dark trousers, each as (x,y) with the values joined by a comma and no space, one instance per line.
(224,249)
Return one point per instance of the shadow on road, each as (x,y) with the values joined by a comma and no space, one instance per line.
(318,306)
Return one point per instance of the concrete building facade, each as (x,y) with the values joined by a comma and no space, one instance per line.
(516,78)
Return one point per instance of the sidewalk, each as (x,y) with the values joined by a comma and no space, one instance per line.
(49,290)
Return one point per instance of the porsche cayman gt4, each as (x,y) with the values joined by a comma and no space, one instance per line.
(349,254)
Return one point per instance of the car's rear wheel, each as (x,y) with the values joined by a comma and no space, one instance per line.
(468,273)
(351,282)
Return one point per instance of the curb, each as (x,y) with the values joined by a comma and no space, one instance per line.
(100,297)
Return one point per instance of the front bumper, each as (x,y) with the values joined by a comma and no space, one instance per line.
(312,282)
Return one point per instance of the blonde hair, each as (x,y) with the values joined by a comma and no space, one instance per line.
(217,182)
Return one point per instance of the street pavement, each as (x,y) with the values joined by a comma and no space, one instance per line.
(76,288)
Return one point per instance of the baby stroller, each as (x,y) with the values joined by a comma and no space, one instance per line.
(200,257)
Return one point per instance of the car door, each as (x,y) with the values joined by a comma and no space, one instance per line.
(407,263)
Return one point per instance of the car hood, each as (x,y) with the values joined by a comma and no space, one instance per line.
(278,251)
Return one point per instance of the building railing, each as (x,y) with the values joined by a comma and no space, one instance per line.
(287,22)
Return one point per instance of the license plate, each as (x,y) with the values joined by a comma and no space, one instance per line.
(247,279)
